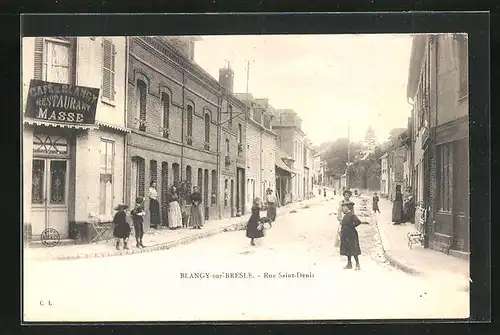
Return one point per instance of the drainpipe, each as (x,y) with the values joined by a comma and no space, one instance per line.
(125,107)
(261,151)
(182,129)
(219,139)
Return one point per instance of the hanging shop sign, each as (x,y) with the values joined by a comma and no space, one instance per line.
(61,102)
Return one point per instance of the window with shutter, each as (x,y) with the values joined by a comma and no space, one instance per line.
(39,59)
(108,70)
(53,59)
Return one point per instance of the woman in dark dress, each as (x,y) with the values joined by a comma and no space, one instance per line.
(196,218)
(349,240)
(375,201)
(154,206)
(122,228)
(408,206)
(397,207)
(254,227)
(138,219)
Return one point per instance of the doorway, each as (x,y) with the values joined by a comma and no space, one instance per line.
(206,195)
(461,196)
(231,201)
(49,195)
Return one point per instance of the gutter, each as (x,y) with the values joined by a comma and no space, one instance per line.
(125,108)
(219,139)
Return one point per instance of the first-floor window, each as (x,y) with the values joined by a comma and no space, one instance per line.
(106,177)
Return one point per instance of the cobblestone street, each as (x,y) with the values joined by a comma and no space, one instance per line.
(302,242)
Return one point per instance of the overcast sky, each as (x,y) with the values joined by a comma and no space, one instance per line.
(324,78)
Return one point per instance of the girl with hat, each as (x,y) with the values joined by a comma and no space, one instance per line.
(255,228)
(138,219)
(122,228)
(347,198)
(349,240)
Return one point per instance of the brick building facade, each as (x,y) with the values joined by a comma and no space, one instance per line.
(233,144)
(173,112)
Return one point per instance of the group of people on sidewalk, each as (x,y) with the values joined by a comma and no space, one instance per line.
(403,207)
(122,228)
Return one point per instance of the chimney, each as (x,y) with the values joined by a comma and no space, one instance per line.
(226,78)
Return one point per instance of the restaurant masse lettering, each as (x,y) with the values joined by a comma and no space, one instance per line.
(73,108)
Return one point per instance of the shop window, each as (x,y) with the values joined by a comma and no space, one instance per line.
(189,135)
(165,103)
(445,177)
(53,59)
(38,182)
(189,174)
(108,70)
(107,156)
(214,187)
(200,181)
(141,96)
(153,171)
(175,169)
(138,178)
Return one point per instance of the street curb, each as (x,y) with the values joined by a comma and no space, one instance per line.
(397,264)
(167,245)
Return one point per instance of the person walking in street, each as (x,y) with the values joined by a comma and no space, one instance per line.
(196,218)
(349,240)
(138,220)
(271,206)
(255,225)
(375,201)
(324,192)
(174,210)
(154,206)
(122,229)
(397,207)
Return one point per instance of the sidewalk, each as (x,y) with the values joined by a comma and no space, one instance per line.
(155,239)
(417,261)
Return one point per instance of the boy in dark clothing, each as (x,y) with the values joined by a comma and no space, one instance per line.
(138,219)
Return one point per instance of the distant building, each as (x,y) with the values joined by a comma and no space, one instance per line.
(288,126)
(261,148)
(384,177)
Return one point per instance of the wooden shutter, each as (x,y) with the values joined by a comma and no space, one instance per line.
(108,70)
(38,66)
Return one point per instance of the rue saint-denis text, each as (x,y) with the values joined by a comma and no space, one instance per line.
(75,100)
(245,275)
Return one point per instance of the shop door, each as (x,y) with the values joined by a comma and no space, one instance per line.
(50,195)
(232,198)
(461,197)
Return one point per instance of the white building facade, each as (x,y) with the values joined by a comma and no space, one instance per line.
(73,132)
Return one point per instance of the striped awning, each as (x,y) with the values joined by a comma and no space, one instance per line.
(35,122)
(112,126)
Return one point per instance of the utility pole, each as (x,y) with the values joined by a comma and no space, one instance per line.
(348,152)
(248,74)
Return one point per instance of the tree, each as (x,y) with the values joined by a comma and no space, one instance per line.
(337,154)
(370,138)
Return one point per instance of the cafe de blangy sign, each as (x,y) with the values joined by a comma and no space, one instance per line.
(63,103)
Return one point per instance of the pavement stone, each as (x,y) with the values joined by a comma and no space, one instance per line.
(417,261)
(154,240)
